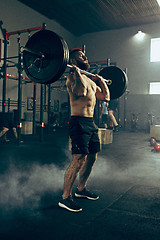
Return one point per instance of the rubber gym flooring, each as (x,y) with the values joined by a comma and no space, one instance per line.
(126,176)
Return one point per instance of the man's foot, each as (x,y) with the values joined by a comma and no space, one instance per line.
(116,128)
(70,204)
(86,194)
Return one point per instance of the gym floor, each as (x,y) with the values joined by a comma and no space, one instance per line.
(126,176)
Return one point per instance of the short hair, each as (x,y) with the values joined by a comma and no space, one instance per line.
(72,53)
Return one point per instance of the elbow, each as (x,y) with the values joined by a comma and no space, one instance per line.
(107,98)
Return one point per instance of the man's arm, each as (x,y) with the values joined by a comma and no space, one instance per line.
(101,112)
(102,92)
(77,83)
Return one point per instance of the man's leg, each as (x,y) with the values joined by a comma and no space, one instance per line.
(71,173)
(104,120)
(85,170)
(84,174)
(4,130)
(15,132)
(112,118)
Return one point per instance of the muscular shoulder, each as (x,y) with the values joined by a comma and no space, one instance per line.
(69,82)
(91,83)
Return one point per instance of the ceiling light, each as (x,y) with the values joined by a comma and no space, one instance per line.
(140,35)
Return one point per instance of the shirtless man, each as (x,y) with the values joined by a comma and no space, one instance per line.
(83,131)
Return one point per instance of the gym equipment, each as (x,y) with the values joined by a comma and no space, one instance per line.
(155,132)
(118,78)
(46,56)
(157,147)
(153,141)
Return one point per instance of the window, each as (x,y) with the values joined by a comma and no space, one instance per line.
(158,2)
(154,88)
(155,50)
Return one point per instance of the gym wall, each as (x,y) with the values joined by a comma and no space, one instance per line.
(121,47)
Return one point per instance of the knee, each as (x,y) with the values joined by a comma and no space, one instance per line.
(77,165)
(109,115)
(78,161)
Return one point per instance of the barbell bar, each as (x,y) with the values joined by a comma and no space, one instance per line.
(46,56)
(108,81)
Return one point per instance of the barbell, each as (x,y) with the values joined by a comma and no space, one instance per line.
(46,56)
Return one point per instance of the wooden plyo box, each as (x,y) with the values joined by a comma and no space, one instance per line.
(27,128)
(105,137)
(155,131)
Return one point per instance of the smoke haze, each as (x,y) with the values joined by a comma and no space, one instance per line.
(19,187)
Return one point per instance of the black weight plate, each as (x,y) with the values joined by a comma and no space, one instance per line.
(50,68)
(119,80)
(64,62)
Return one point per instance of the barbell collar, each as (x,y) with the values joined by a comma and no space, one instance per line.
(37,54)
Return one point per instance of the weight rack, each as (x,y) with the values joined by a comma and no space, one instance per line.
(6,36)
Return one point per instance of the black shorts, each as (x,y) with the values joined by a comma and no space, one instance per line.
(104,118)
(84,135)
(113,104)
